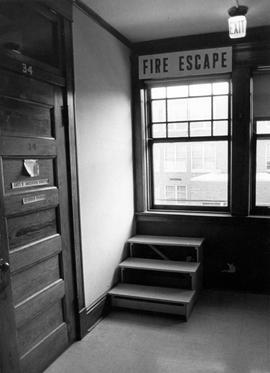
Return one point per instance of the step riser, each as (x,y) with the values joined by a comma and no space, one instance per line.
(149,278)
(181,310)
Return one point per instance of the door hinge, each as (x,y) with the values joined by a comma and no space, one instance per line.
(65,117)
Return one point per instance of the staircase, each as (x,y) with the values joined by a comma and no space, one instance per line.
(148,264)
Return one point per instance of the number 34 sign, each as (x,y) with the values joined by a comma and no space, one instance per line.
(27,69)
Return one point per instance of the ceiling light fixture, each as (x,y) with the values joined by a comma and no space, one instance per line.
(237,21)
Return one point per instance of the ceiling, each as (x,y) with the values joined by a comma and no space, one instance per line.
(141,20)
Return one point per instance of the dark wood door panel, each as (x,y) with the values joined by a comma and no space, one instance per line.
(30,281)
(21,118)
(28,147)
(31,333)
(20,64)
(26,88)
(26,229)
(35,305)
(26,202)
(45,352)
(35,252)
(8,342)
(17,180)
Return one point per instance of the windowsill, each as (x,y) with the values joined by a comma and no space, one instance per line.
(183,213)
(206,214)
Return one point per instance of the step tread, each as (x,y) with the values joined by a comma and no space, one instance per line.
(154,293)
(166,240)
(160,265)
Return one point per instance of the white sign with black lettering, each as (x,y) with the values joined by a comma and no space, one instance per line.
(188,63)
(29,183)
(34,199)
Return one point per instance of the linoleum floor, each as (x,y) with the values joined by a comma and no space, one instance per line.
(227,332)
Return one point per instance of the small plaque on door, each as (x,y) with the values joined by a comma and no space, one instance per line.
(28,183)
(33,199)
(32,167)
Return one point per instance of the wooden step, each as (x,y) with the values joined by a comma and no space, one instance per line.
(160,265)
(153,293)
(166,240)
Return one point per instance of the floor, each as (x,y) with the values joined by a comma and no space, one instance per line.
(226,333)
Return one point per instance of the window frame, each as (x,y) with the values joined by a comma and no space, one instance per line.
(257,209)
(150,141)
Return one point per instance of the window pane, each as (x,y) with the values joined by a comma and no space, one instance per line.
(158,130)
(19,25)
(263,173)
(177,110)
(220,88)
(263,127)
(158,111)
(159,92)
(204,185)
(177,129)
(200,89)
(200,129)
(220,107)
(220,128)
(199,108)
(177,91)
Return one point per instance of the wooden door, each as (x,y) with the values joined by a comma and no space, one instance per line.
(36,268)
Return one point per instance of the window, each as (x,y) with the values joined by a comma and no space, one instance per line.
(188,141)
(261,152)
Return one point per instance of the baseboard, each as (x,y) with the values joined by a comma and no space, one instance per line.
(90,316)
(81,326)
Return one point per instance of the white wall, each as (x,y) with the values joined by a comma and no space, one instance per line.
(103,120)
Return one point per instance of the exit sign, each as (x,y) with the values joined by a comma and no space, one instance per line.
(237,27)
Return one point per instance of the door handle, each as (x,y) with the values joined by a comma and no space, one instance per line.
(4,266)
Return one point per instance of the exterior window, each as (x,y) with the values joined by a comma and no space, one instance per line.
(261,152)
(188,142)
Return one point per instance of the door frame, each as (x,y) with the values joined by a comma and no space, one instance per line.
(73,182)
